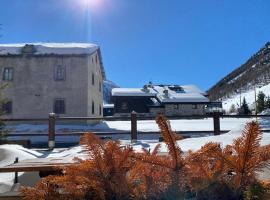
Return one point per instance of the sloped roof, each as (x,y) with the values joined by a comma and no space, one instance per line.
(188,94)
(133,92)
(165,93)
(50,48)
(53,49)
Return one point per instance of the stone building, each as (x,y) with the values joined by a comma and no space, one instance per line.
(171,100)
(64,78)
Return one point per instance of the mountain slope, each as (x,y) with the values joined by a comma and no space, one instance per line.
(255,73)
(107,89)
(249,95)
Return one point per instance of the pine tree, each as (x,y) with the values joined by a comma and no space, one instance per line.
(267,102)
(232,109)
(244,110)
(260,102)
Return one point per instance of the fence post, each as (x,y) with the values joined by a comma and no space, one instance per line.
(133,127)
(216,120)
(16,180)
(51,137)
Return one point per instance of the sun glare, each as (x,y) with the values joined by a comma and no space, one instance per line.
(91,3)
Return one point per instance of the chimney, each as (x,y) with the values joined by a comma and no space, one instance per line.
(166,93)
(28,49)
(146,89)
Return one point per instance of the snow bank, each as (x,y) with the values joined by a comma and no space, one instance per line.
(265,112)
(195,144)
(8,153)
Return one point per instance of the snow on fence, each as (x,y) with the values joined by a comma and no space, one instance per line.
(133,118)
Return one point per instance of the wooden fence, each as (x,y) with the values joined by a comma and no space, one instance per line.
(133,118)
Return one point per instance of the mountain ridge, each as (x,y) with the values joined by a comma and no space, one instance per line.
(255,72)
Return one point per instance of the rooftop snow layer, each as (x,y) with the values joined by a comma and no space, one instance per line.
(192,89)
(50,48)
(190,94)
(186,97)
(53,48)
(132,92)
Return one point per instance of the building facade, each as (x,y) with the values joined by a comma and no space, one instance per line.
(46,77)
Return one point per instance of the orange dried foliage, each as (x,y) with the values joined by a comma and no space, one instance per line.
(115,172)
(203,168)
(235,165)
(162,174)
(102,176)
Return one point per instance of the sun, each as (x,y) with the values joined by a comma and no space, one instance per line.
(91,3)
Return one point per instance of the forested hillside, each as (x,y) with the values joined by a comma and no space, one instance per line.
(254,73)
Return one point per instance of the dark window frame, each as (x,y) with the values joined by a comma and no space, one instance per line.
(124,105)
(62,108)
(60,73)
(100,110)
(7,72)
(99,86)
(194,106)
(7,107)
(93,78)
(93,107)
(96,59)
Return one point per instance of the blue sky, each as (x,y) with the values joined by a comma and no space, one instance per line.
(164,41)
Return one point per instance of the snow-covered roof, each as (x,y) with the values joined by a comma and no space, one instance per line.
(186,98)
(53,49)
(50,48)
(133,92)
(192,89)
(108,105)
(180,94)
(166,93)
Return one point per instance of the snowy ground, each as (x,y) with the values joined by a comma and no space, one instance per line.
(143,126)
(249,96)
(9,152)
(117,126)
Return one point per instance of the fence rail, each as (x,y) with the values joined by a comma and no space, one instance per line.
(129,117)
(133,118)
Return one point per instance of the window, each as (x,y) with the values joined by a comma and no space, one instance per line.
(96,58)
(124,106)
(59,106)
(93,79)
(8,74)
(60,73)
(175,106)
(194,106)
(7,107)
(100,111)
(100,86)
(93,107)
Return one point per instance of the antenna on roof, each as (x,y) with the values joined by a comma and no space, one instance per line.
(145,88)
(166,93)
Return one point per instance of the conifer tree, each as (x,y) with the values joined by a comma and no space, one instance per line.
(260,102)
(244,110)
(232,109)
(267,103)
